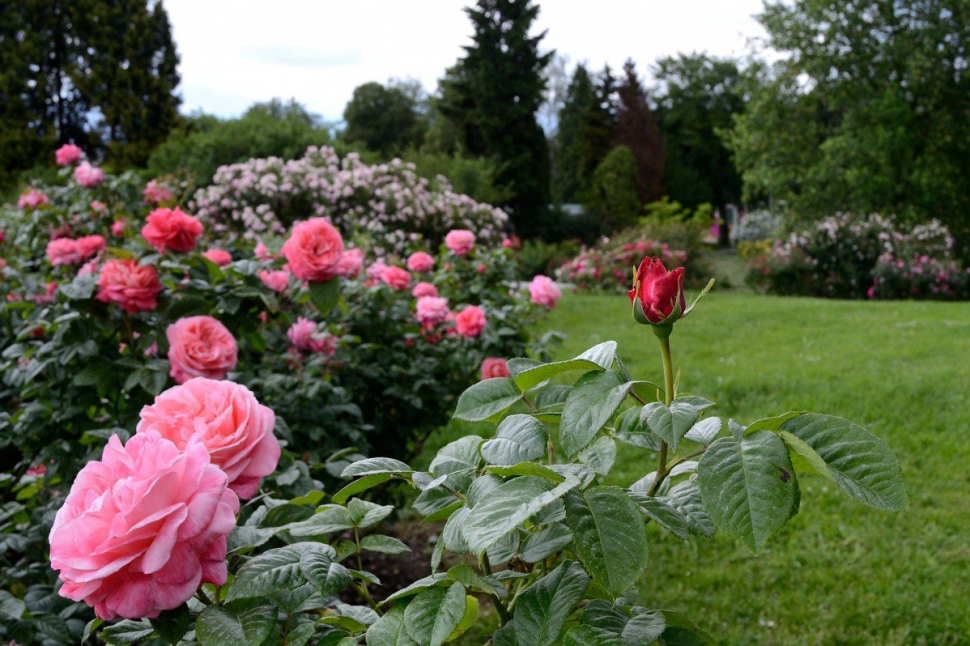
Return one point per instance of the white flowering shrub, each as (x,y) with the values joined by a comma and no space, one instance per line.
(756,225)
(389,202)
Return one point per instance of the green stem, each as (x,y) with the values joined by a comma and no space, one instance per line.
(668,399)
(362,588)
(503,613)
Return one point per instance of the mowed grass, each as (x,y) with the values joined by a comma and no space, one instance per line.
(839,573)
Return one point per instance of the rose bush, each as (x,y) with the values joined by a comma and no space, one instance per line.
(535,526)
(85,348)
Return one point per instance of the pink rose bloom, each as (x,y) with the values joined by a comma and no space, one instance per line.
(261,252)
(396,277)
(420,261)
(424,289)
(98,206)
(375,270)
(90,245)
(132,286)
(38,469)
(200,346)
(32,199)
(470,321)
(235,428)
(218,256)
(277,280)
(156,193)
(506,243)
(89,267)
(143,527)
(3,236)
(481,268)
(171,229)
(118,228)
(432,310)
(351,262)
(460,241)
(64,251)
(68,154)
(88,176)
(544,292)
(314,250)
(495,367)
(304,336)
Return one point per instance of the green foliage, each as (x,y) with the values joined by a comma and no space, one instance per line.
(475,177)
(613,192)
(881,129)
(492,96)
(637,128)
(384,119)
(585,129)
(202,143)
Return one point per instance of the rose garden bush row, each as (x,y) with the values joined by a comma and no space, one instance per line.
(104,308)
(166,532)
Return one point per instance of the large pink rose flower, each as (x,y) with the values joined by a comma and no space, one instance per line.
(396,277)
(470,321)
(351,262)
(420,262)
(235,428)
(171,229)
(132,286)
(64,251)
(87,175)
(460,241)
(143,527)
(495,367)
(432,310)
(314,250)
(32,199)
(544,292)
(220,257)
(200,346)
(423,289)
(68,154)
(90,245)
(277,279)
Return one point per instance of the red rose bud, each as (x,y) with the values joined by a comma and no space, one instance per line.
(657,295)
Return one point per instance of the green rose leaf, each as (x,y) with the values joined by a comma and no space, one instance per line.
(325,295)
(686,498)
(358,486)
(861,464)
(374,466)
(11,608)
(748,486)
(172,625)
(590,405)
(246,623)
(486,399)
(389,630)
(680,631)
(600,455)
(669,424)
(541,610)
(545,542)
(435,614)
(518,438)
(328,520)
(599,357)
(272,570)
(319,567)
(608,536)
(664,513)
(127,632)
(383,544)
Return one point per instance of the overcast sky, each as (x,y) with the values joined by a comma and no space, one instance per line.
(237,52)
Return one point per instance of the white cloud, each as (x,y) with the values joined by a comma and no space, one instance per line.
(237,52)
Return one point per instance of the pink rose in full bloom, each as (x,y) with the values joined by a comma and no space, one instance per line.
(261,252)
(98,206)
(432,310)
(68,154)
(420,261)
(200,346)
(64,251)
(277,279)
(314,250)
(424,289)
(118,228)
(396,277)
(460,241)
(88,176)
(304,336)
(132,286)
(31,199)
(470,321)
(235,428)
(143,527)
(171,229)
(544,292)
(156,193)
(90,245)
(507,243)
(218,256)
(495,367)
(351,262)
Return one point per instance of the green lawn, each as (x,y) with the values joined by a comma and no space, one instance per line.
(839,573)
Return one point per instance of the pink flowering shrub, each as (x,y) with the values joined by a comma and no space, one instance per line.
(607,266)
(388,202)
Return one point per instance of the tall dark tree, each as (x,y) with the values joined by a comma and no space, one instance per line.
(384,119)
(493,95)
(583,137)
(636,128)
(697,97)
